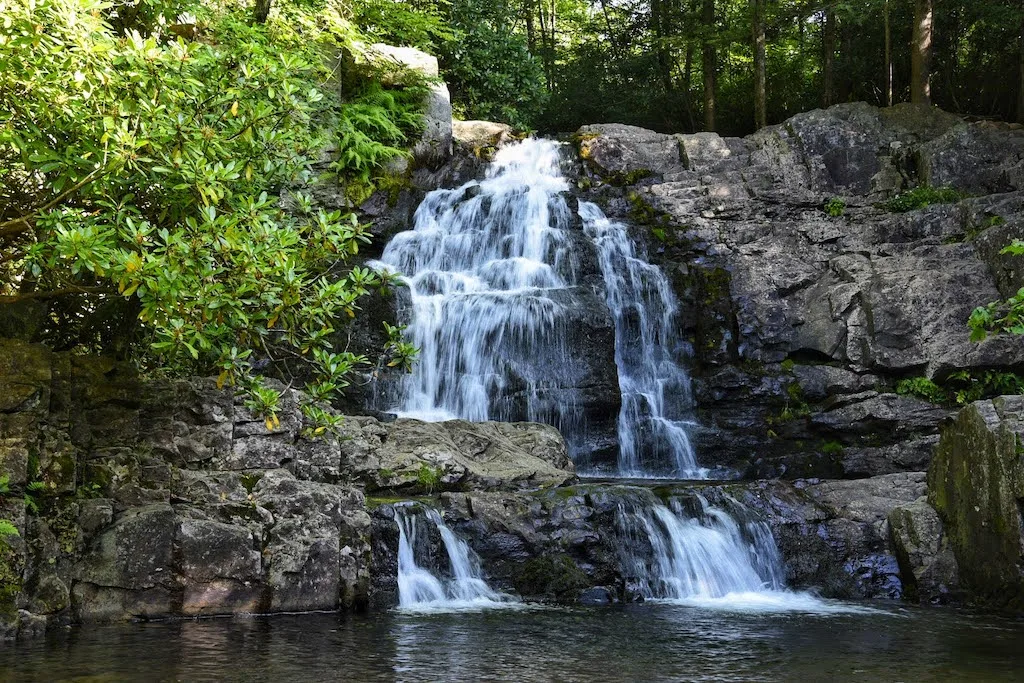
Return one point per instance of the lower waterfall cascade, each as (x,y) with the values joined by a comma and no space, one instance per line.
(419,589)
(706,557)
(492,268)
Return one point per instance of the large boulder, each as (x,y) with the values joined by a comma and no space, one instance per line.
(976,484)
(425,457)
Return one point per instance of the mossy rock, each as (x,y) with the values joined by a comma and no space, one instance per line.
(553,577)
(976,484)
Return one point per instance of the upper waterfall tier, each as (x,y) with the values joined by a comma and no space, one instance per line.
(508,295)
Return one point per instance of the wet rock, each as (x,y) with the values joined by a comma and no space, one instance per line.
(628,151)
(840,305)
(927,564)
(598,595)
(976,484)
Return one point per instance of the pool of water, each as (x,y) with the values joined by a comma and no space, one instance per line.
(644,642)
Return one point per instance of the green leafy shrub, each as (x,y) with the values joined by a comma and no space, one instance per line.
(832,448)
(140,176)
(963,387)
(1000,316)
(922,387)
(835,207)
(921,197)
(428,477)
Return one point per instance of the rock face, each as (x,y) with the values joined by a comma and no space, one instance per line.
(166,499)
(802,322)
(976,484)
(927,564)
(566,544)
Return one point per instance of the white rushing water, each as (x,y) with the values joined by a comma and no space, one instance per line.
(706,558)
(655,389)
(420,590)
(489,266)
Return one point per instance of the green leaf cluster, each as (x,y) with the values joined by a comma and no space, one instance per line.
(1000,316)
(923,196)
(962,387)
(143,160)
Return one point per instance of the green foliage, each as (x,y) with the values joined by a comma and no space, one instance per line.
(835,207)
(428,477)
(373,130)
(832,448)
(1000,316)
(963,387)
(922,387)
(140,167)
(7,529)
(921,197)
(420,23)
(398,353)
(490,69)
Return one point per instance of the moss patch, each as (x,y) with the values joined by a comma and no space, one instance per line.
(557,577)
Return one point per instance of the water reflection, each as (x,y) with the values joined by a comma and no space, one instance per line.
(651,642)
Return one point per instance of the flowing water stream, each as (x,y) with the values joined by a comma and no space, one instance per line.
(421,590)
(492,268)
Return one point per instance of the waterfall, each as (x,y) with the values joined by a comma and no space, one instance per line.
(493,268)
(705,557)
(483,263)
(419,589)
(655,388)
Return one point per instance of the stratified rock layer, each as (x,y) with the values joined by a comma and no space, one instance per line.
(157,499)
(802,322)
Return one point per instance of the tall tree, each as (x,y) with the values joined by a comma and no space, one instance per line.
(760,96)
(261,11)
(660,25)
(921,53)
(828,48)
(709,63)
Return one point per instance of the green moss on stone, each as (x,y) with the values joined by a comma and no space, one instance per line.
(555,576)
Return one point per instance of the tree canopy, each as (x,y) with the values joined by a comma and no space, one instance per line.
(689,65)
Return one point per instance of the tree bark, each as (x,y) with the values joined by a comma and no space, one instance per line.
(921,53)
(660,24)
(828,48)
(709,64)
(261,11)
(760,96)
(531,38)
(888,57)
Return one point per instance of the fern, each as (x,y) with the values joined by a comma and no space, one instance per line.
(374,128)
(7,529)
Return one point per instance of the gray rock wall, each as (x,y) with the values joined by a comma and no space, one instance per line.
(146,500)
(803,323)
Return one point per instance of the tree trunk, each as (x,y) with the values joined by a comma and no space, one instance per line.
(760,96)
(828,48)
(531,36)
(921,53)
(709,64)
(659,23)
(261,11)
(888,57)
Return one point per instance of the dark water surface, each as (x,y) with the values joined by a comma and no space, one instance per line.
(649,642)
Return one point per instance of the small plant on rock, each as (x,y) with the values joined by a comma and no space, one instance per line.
(835,207)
